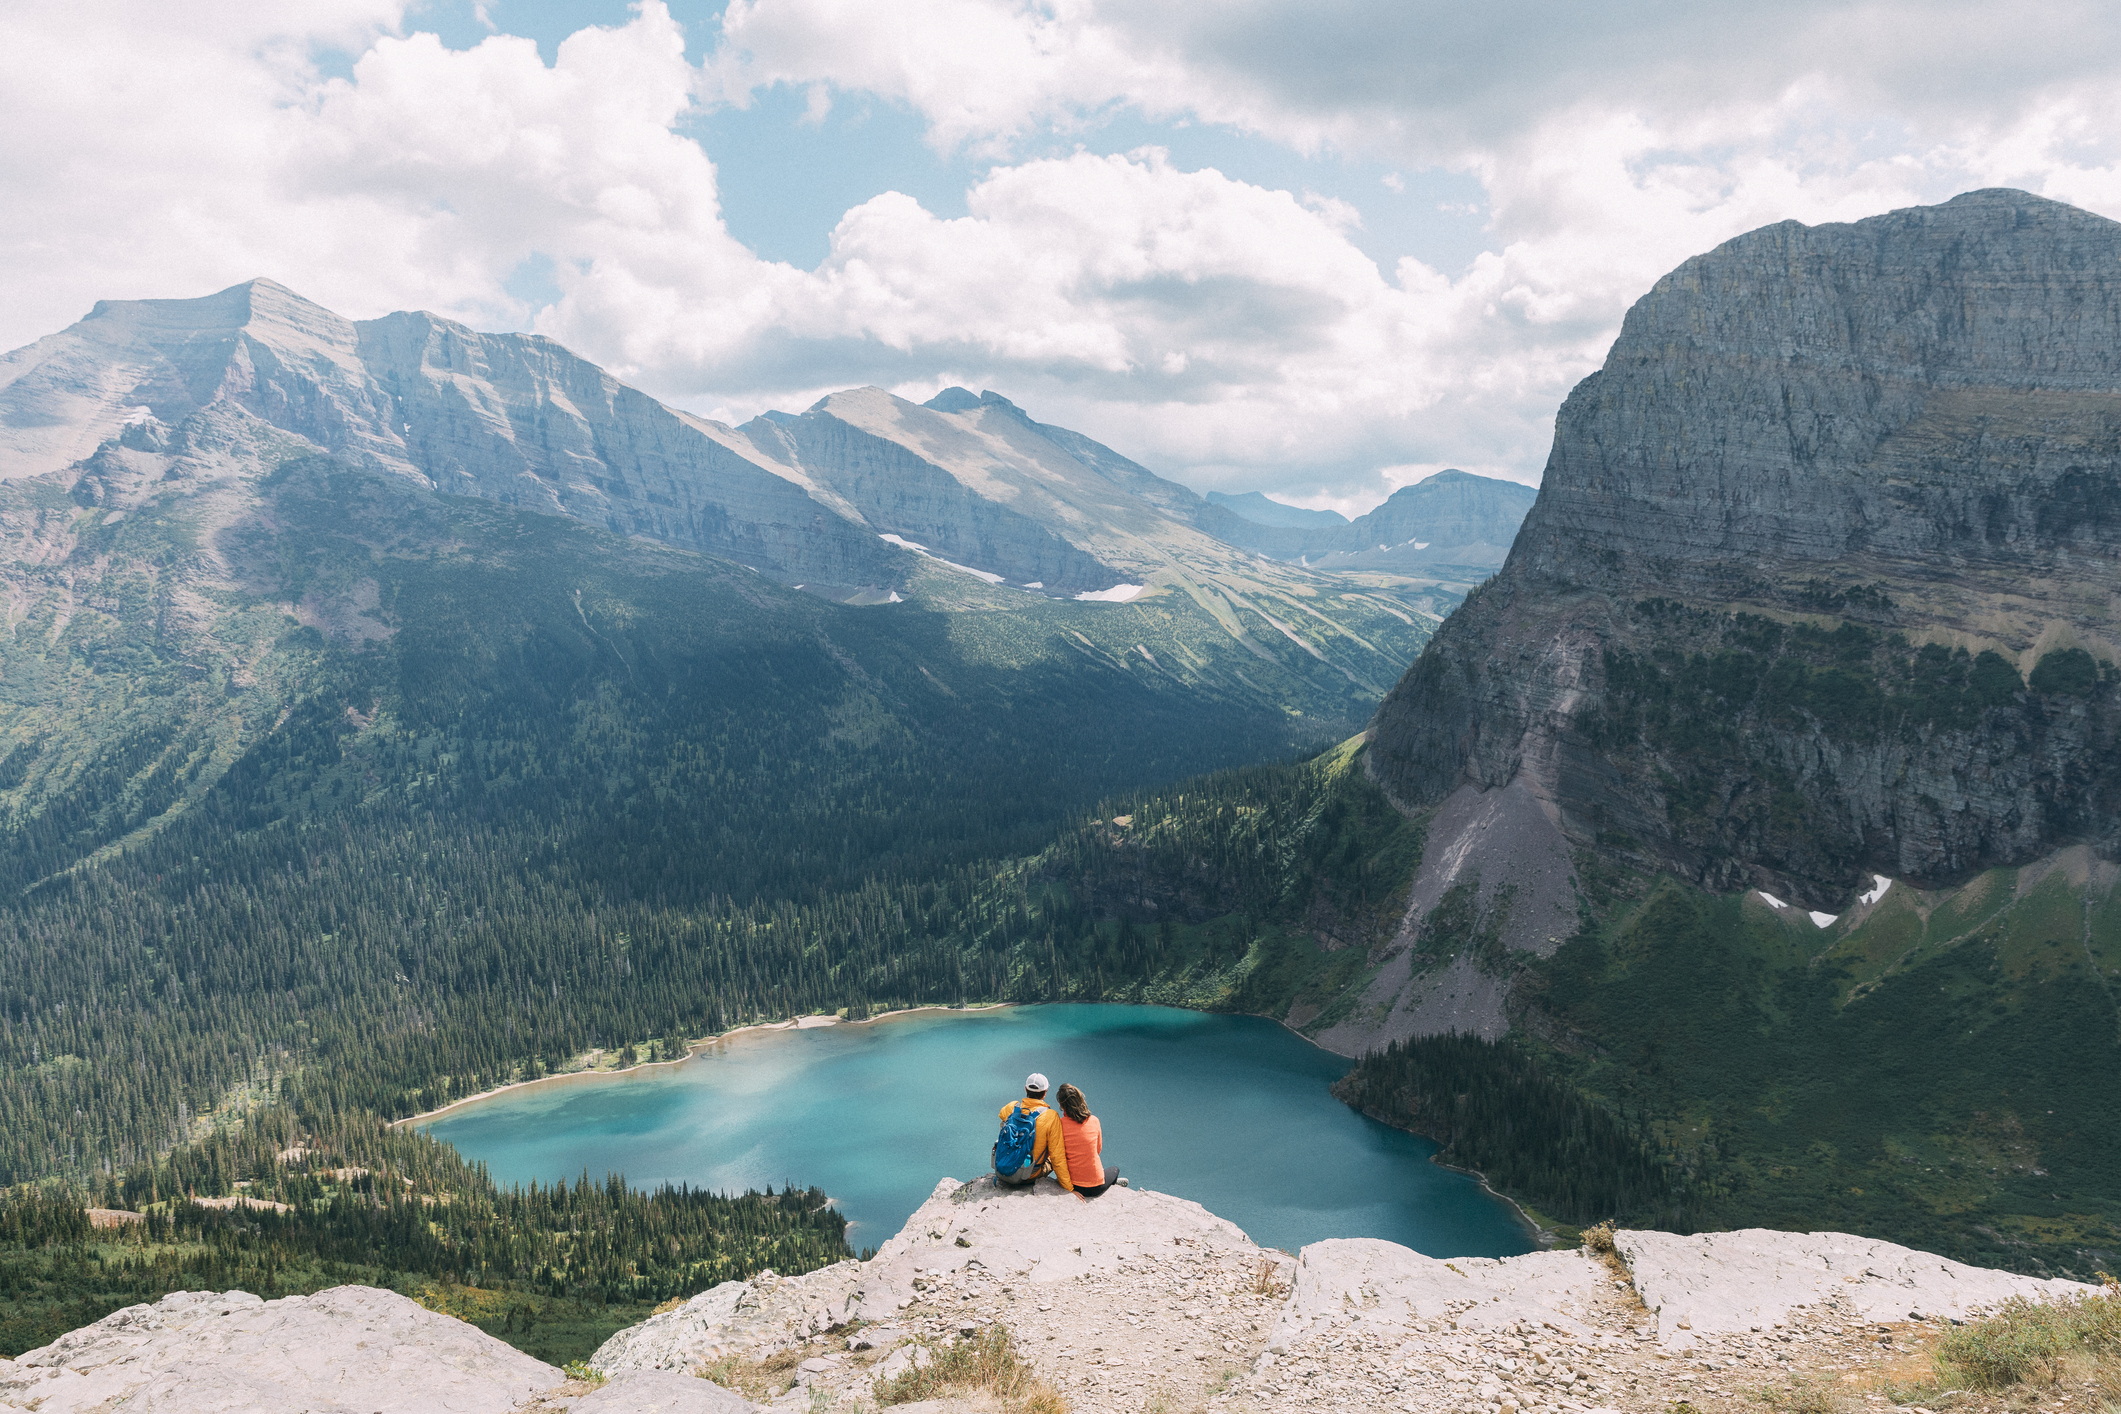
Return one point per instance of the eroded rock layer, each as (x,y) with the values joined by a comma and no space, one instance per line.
(1823,576)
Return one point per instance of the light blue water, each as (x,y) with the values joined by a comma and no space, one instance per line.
(1230,1111)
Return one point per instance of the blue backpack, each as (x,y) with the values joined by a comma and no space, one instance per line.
(1012,1150)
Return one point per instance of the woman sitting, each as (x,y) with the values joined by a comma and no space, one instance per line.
(1086,1174)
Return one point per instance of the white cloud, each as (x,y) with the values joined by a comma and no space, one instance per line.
(1211,326)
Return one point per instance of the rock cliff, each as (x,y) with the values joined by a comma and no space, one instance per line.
(1821,580)
(1136,1298)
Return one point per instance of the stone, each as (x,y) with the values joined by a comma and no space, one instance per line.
(1039,1234)
(348,1350)
(1389,1288)
(1138,1292)
(1718,1282)
(661,1392)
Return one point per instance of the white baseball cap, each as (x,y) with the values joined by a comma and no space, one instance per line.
(1035,1081)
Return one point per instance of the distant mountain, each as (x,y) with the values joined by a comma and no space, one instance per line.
(223,385)
(1450,518)
(1449,525)
(1262,510)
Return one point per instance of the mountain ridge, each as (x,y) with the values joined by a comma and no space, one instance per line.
(1883,509)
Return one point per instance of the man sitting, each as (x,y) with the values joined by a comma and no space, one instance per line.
(1029,1144)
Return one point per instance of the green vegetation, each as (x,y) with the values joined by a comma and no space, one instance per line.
(554,1270)
(983,1364)
(2045,1343)
(1940,1074)
(587,793)
(1714,716)
(1496,1109)
(1689,1059)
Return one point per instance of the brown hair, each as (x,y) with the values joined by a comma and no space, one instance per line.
(1073,1105)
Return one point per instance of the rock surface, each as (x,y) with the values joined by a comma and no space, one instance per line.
(1798,598)
(349,1350)
(1122,1303)
(1136,1300)
(1718,1282)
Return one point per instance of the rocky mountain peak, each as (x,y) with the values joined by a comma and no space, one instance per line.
(1803,545)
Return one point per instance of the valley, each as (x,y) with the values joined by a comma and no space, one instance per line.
(394,712)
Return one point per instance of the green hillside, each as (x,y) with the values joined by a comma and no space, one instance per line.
(1940,1072)
(521,789)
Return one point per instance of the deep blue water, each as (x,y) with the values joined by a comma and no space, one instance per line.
(1232,1112)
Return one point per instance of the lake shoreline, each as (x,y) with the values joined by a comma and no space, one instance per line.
(692,1050)
(1543,1237)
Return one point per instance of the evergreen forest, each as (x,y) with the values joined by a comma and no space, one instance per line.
(590,801)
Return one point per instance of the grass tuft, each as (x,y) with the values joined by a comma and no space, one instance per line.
(1807,1397)
(985,1362)
(2038,1343)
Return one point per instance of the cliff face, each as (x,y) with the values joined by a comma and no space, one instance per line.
(1822,576)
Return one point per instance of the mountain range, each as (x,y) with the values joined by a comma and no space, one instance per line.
(161,462)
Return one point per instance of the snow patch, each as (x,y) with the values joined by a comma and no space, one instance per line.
(1117,594)
(919,549)
(1035,584)
(1823,920)
(1773,902)
(1879,885)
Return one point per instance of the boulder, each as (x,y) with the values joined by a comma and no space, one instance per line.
(349,1350)
(1715,1282)
(1039,1234)
(1389,1288)
(661,1392)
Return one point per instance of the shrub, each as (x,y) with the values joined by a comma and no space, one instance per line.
(2036,1343)
(988,1362)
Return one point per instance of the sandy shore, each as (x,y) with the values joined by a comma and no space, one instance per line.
(692,1049)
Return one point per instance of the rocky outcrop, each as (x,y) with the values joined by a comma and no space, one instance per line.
(350,1348)
(1821,580)
(1720,1282)
(1140,1295)
(1133,1297)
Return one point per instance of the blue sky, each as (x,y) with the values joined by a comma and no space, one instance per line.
(786,179)
(1315,249)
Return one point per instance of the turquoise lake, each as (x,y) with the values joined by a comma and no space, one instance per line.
(1230,1111)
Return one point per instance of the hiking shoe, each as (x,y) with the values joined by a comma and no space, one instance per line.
(1124,1184)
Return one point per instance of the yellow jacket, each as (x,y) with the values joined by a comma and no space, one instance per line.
(1047,1151)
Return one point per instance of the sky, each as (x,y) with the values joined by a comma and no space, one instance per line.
(1318,249)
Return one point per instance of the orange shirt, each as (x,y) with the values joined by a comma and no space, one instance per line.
(1082,1144)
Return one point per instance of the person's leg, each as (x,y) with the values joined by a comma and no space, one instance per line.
(1112,1179)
